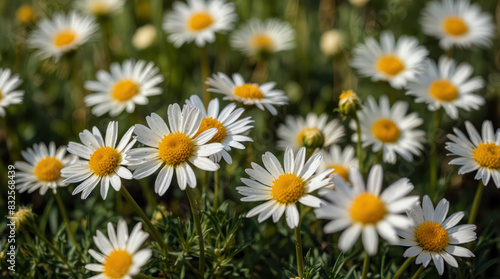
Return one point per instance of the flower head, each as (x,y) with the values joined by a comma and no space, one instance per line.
(8,93)
(100,8)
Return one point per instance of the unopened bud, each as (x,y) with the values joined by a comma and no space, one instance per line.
(25,15)
(332,42)
(144,37)
(24,219)
(311,138)
(349,103)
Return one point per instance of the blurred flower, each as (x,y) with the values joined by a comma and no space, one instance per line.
(448,86)
(24,219)
(227,124)
(250,94)
(259,37)
(359,3)
(396,62)
(100,8)
(349,103)
(339,161)
(25,15)
(119,256)
(431,235)
(282,189)
(8,94)
(476,152)
(63,33)
(160,212)
(144,36)
(198,21)
(123,87)
(332,42)
(457,23)
(103,162)
(311,132)
(174,147)
(43,168)
(390,130)
(365,210)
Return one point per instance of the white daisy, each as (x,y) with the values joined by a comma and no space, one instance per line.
(250,94)
(8,94)
(340,161)
(229,128)
(263,37)
(63,33)
(283,188)
(395,62)
(448,86)
(433,237)
(103,162)
(313,131)
(43,168)
(119,256)
(365,211)
(175,147)
(100,7)
(123,87)
(390,129)
(457,23)
(198,21)
(476,152)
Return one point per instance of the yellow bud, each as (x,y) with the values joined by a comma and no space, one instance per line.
(311,138)
(144,37)
(349,103)
(332,42)
(25,15)
(24,219)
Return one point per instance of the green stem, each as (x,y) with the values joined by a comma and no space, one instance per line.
(475,208)
(197,223)
(431,190)
(45,215)
(298,250)
(216,190)
(149,195)
(366,266)
(378,158)
(403,267)
(419,271)
(66,221)
(359,148)
(205,72)
(55,250)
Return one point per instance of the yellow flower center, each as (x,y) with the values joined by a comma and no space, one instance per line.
(311,138)
(443,90)
(210,122)
(99,8)
(104,160)
(431,236)
(25,14)
(487,155)
(340,170)
(48,169)
(248,91)
(367,209)
(385,130)
(455,26)
(200,21)
(117,264)
(64,38)
(175,148)
(262,42)
(287,188)
(124,90)
(390,65)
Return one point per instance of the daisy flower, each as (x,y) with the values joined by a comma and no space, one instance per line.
(62,34)
(457,23)
(340,161)
(175,148)
(251,94)
(198,21)
(8,94)
(43,168)
(313,131)
(119,255)
(433,237)
(100,8)
(477,152)
(229,128)
(366,211)
(390,129)
(102,161)
(447,85)
(396,62)
(283,188)
(123,87)
(263,37)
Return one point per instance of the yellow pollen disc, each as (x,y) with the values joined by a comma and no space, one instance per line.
(99,8)
(104,160)
(200,21)
(431,236)
(210,122)
(48,169)
(340,170)
(487,155)
(117,264)
(25,14)
(124,90)
(367,209)
(64,38)
(390,65)
(262,42)
(248,91)
(287,188)
(455,26)
(443,90)
(385,130)
(175,148)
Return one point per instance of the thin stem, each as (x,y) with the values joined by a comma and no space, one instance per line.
(260,72)
(216,190)
(475,208)
(419,271)
(359,148)
(378,158)
(298,250)
(55,250)
(205,72)
(431,190)
(403,267)
(66,221)
(197,223)
(366,266)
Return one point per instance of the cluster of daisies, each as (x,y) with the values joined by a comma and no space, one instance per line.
(315,172)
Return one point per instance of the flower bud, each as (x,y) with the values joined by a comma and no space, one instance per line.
(349,103)
(24,219)
(311,138)
(332,42)
(25,15)
(144,37)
